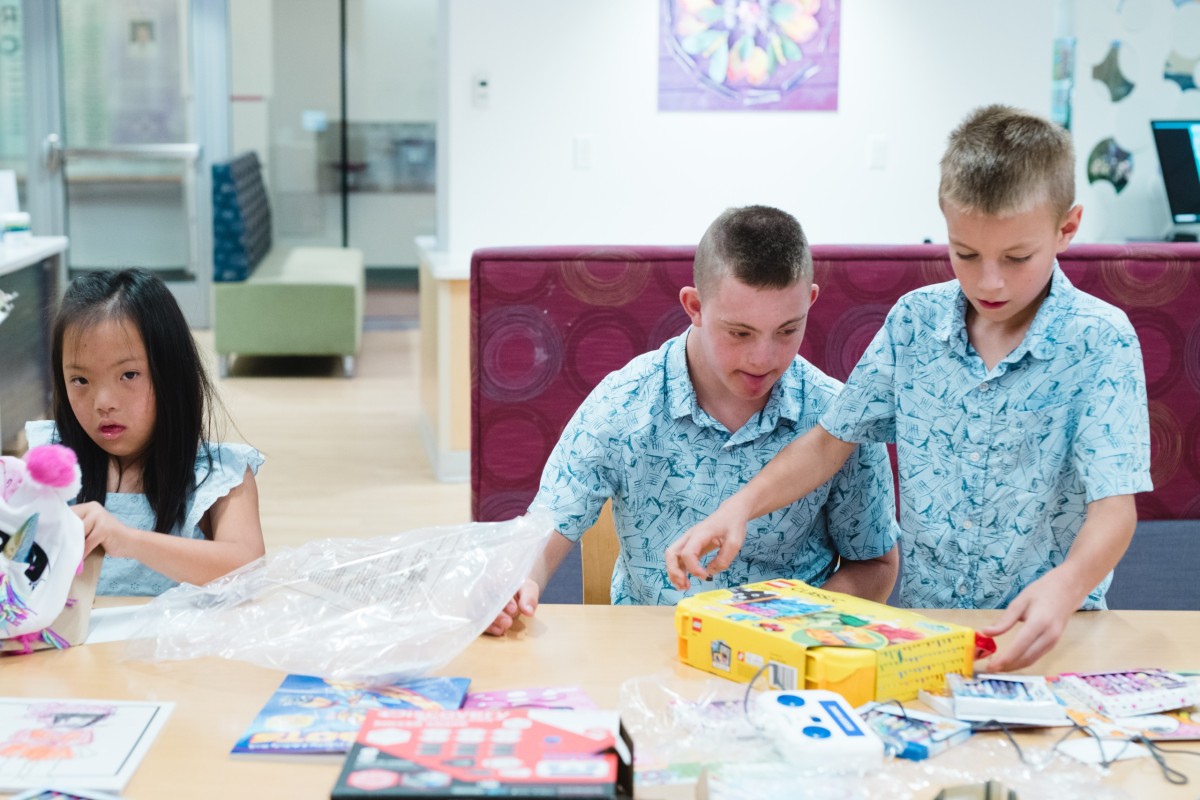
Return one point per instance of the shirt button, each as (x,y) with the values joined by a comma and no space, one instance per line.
(967,525)
(975,456)
(983,387)
(961,590)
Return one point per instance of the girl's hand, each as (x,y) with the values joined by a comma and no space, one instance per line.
(101,529)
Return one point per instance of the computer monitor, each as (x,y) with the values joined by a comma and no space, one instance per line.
(1178,143)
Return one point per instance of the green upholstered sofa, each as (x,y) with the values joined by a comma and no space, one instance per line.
(270,301)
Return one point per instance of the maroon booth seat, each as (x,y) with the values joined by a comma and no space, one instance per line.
(547,323)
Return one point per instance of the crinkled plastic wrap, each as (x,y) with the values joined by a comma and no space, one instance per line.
(1044,775)
(381,609)
(701,731)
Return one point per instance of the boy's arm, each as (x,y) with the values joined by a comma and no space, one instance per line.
(1045,606)
(871,579)
(525,601)
(796,470)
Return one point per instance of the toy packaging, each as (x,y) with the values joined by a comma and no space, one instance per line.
(515,752)
(1124,694)
(817,730)
(801,637)
(1020,699)
(913,735)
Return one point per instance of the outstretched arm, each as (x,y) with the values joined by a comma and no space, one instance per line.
(1045,606)
(525,601)
(795,471)
(236,538)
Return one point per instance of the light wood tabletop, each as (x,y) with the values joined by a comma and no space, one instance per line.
(596,647)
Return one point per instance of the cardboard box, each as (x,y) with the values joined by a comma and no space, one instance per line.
(802,637)
(503,752)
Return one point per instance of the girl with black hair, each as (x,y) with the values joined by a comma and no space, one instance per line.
(132,399)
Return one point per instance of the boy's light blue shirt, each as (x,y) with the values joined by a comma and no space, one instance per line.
(997,467)
(641,439)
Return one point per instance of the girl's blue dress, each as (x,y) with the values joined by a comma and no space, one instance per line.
(126,576)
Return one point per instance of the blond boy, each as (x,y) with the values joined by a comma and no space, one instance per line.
(1017,404)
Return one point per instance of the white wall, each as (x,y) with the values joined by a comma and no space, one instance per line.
(391,60)
(563,68)
(1148,32)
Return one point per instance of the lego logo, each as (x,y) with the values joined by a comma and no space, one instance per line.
(696,624)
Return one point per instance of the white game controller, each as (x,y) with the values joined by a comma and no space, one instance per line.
(817,729)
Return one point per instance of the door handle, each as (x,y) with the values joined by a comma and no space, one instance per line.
(52,153)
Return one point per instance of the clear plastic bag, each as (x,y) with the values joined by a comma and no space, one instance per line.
(705,731)
(376,610)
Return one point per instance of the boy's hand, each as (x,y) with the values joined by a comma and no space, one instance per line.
(1043,608)
(725,529)
(101,529)
(525,601)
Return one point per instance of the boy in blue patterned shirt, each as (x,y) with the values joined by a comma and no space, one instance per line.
(1017,404)
(678,430)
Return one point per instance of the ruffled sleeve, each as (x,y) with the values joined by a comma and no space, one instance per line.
(230,461)
(41,431)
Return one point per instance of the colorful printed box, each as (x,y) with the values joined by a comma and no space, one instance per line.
(802,637)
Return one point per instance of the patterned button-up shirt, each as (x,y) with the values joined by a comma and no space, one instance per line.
(641,439)
(997,466)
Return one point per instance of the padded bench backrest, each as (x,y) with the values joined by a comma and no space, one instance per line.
(241,218)
(549,322)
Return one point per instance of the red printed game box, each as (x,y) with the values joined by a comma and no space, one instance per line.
(502,752)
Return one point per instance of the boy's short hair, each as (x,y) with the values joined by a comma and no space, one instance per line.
(1002,160)
(760,246)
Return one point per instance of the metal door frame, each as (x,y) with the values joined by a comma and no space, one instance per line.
(208,30)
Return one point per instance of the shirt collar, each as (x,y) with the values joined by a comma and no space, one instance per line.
(1039,339)
(1051,316)
(784,402)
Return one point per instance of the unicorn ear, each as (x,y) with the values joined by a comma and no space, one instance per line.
(56,467)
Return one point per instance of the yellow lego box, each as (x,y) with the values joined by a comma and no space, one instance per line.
(802,637)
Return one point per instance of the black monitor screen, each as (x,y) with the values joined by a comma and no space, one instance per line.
(1178,143)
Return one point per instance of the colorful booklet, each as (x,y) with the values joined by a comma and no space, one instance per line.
(561,697)
(1125,694)
(75,744)
(1181,725)
(489,752)
(310,716)
(1024,699)
(911,734)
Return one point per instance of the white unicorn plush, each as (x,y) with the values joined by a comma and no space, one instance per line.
(41,542)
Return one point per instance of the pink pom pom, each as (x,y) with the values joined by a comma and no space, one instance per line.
(52,465)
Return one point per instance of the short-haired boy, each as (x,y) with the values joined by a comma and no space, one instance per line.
(678,430)
(1017,404)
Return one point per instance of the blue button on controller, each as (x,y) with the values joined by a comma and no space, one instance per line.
(817,732)
(790,700)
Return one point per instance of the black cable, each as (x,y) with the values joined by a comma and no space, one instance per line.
(995,724)
(1170,774)
(749,687)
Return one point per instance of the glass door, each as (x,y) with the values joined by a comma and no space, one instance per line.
(12,107)
(142,96)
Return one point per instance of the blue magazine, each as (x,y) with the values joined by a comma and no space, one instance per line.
(310,716)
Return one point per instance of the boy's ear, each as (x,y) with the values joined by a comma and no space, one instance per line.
(1069,227)
(689,298)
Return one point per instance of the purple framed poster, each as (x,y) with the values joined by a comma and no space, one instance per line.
(748,55)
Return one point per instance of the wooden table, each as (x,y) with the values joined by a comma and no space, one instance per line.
(597,647)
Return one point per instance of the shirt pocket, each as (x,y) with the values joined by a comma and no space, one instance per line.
(1032,447)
